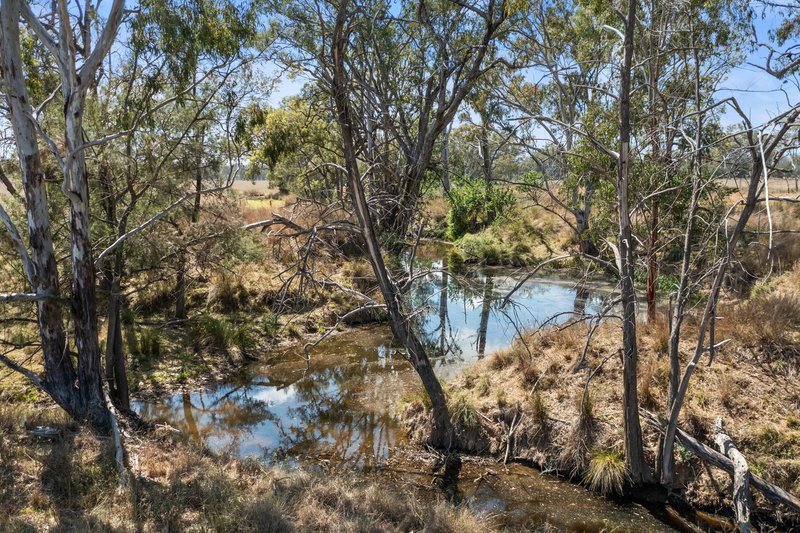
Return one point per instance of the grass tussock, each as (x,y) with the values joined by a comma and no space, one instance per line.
(462,410)
(607,473)
(220,334)
(749,390)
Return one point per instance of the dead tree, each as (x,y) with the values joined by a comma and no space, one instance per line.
(764,155)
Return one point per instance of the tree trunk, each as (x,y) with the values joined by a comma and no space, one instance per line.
(116,372)
(634,453)
(442,434)
(446,159)
(652,265)
(180,281)
(676,320)
(579,303)
(180,286)
(711,456)
(59,373)
(84,296)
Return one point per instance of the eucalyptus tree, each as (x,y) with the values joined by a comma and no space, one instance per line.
(95,112)
(396,76)
(413,66)
(76,53)
(566,52)
(295,145)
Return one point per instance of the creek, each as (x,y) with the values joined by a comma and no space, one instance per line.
(339,408)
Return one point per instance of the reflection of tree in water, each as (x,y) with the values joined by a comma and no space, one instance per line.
(318,416)
(486,307)
(324,413)
(326,420)
(227,414)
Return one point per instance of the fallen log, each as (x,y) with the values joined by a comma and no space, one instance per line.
(714,458)
(741,476)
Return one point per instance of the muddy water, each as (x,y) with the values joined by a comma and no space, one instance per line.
(340,410)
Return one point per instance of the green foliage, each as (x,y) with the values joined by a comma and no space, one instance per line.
(489,248)
(294,144)
(684,454)
(188,32)
(269,325)
(474,206)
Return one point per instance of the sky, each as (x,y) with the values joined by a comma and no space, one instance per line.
(760,95)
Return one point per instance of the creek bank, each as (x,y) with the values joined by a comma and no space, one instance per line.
(527,404)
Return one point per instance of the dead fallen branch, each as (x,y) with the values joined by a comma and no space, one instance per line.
(714,458)
(741,476)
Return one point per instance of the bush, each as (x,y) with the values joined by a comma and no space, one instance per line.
(269,324)
(474,206)
(607,472)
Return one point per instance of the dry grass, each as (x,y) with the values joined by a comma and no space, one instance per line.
(607,472)
(751,392)
(70,485)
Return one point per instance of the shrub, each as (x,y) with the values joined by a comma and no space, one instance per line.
(269,323)
(607,472)
(474,206)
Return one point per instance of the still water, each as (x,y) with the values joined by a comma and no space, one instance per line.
(341,409)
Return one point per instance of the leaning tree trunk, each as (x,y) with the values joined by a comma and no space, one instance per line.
(634,453)
(442,434)
(676,321)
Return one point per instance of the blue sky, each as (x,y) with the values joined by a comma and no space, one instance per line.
(760,95)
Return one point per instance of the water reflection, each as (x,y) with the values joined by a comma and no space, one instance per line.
(343,406)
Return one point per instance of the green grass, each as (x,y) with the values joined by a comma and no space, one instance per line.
(220,334)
